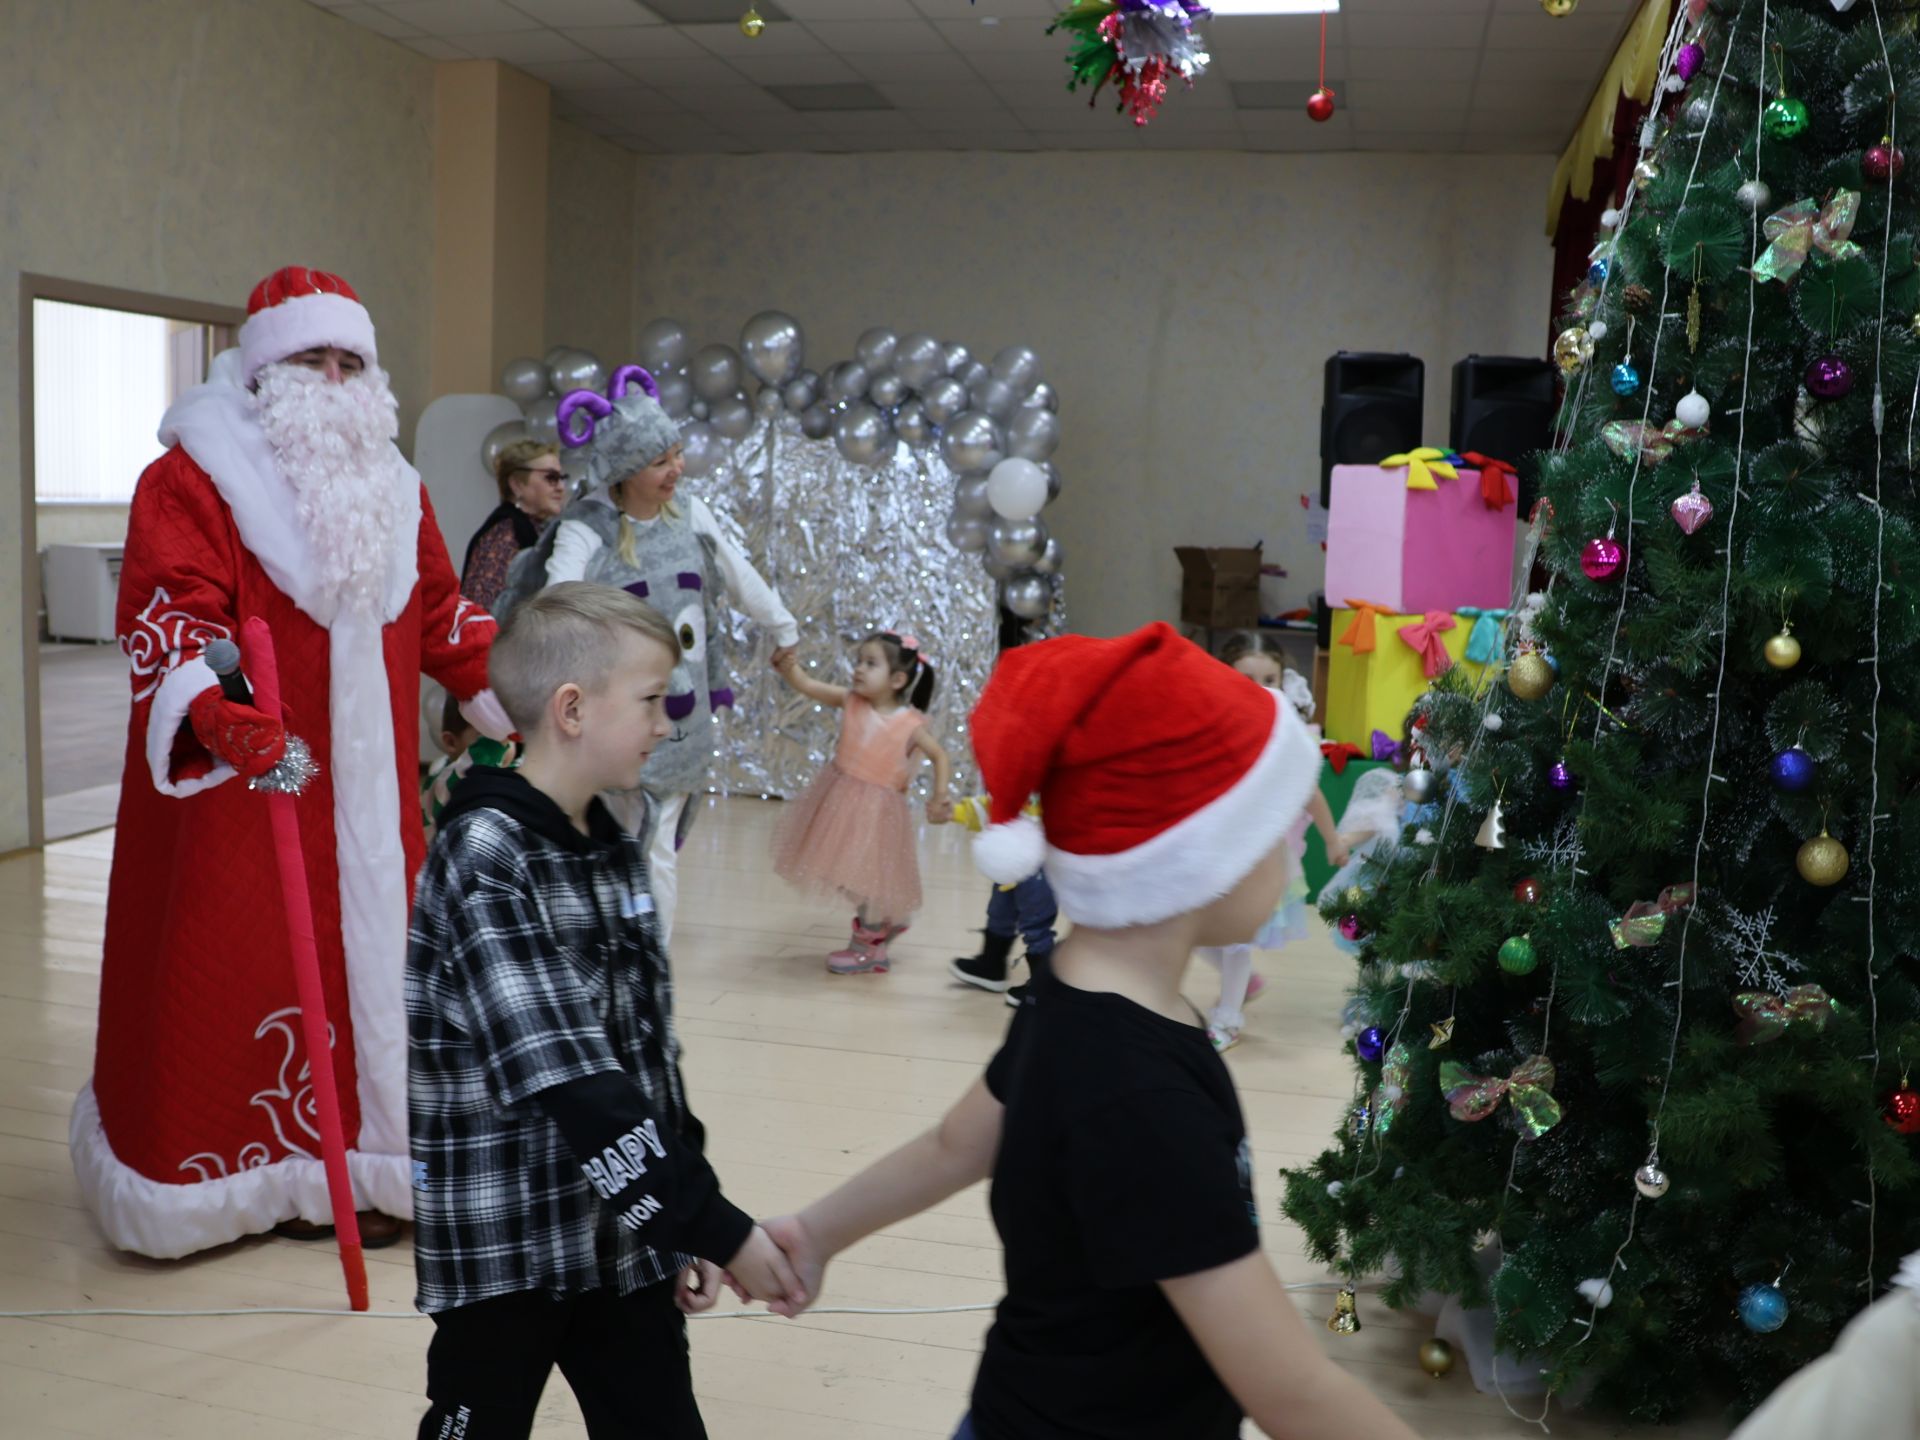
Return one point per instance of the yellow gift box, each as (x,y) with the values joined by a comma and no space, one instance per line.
(1382,662)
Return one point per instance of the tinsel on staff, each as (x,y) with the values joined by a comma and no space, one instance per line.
(1137,44)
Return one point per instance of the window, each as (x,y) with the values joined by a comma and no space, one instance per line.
(101,381)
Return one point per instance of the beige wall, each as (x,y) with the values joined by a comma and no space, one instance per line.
(1183,304)
(590,243)
(186,148)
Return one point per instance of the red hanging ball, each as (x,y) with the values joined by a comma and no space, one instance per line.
(1320,106)
(1527,892)
(1882,162)
(1601,558)
(1903,1110)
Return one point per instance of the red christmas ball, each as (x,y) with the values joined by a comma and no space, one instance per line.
(1320,106)
(1882,162)
(1903,1110)
(1527,892)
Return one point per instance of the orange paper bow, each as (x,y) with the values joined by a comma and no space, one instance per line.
(1359,632)
(1424,638)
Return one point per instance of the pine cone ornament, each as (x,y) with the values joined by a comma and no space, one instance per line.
(1638,298)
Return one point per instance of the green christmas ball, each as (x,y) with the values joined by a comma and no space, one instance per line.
(1516,955)
(1787,118)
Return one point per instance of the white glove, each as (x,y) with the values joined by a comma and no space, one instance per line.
(485,713)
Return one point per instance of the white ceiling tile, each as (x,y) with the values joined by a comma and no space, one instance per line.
(1394,62)
(635,42)
(434,48)
(1587,7)
(457,17)
(331,4)
(811,10)
(561,13)
(1368,122)
(624,105)
(878,37)
(720,101)
(1263,64)
(373,18)
(1413,141)
(1087,140)
(797,70)
(728,42)
(1380,94)
(1580,68)
(676,129)
(1294,125)
(1587,30)
(972,38)
(1427,30)
(951,122)
(697,70)
(1273,32)
(576,75)
(524,47)
(859,122)
(942,68)
(1010,12)
(956,98)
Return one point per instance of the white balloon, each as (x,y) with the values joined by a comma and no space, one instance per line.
(1017,489)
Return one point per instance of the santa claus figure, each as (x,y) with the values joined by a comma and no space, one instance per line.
(282,496)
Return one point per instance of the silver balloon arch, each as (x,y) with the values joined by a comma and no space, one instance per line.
(901,490)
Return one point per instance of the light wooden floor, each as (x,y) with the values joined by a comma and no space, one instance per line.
(801,1078)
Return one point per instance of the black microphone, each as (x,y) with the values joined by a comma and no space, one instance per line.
(223,658)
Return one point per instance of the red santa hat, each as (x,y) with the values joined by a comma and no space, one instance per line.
(1164,776)
(296,309)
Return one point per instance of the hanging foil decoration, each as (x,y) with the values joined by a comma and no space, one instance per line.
(851,549)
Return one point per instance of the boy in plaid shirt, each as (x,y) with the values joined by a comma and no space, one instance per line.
(564,1213)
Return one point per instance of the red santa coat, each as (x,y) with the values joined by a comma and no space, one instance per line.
(199,1125)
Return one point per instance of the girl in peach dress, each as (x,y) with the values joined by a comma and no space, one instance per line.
(850,834)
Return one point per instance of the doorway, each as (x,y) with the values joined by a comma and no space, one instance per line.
(81,462)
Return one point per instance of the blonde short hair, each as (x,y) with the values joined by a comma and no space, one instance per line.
(520,455)
(568,634)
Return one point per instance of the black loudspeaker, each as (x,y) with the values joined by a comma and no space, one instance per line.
(1503,406)
(1371,410)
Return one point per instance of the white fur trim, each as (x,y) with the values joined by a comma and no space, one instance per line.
(171,703)
(1205,855)
(487,715)
(168,1221)
(216,425)
(373,876)
(302,323)
(1007,854)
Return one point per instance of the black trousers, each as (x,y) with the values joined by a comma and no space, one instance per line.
(626,1359)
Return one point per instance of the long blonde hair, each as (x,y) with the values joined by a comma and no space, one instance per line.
(628,546)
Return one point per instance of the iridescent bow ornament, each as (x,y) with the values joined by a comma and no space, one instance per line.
(1765,1017)
(1423,637)
(1801,228)
(1390,1095)
(1652,444)
(1422,465)
(1646,920)
(1475,1097)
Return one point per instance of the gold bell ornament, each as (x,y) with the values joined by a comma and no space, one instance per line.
(1559,9)
(1436,1357)
(1783,651)
(752,23)
(1530,676)
(1345,1319)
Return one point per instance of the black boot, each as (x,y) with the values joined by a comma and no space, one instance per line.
(1037,966)
(988,969)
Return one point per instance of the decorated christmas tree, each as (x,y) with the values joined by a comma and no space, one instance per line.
(1637,987)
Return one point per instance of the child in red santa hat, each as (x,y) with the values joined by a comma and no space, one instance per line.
(1139,1302)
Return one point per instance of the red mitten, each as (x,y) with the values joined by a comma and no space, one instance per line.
(242,736)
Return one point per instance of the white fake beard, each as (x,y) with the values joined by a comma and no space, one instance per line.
(334,444)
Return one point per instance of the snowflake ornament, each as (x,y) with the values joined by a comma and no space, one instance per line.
(1746,938)
(1564,851)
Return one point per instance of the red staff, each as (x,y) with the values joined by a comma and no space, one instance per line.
(281,785)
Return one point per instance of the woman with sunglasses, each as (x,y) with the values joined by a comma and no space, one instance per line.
(533,491)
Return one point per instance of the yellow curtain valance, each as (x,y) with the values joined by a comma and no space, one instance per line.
(1633,72)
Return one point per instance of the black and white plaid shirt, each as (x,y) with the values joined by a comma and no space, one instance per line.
(533,960)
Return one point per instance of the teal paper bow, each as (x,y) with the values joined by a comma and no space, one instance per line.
(1483,644)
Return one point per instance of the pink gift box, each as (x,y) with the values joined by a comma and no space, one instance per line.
(1416,550)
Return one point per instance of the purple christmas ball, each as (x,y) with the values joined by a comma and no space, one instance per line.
(1560,775)
(1350,927)
(1370,1044)
(1689,59)
(1792,769)
(1829,377)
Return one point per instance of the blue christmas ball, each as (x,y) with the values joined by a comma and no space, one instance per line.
(1552,664)
(1597,272)
(1763,1308)
(1625,379)
(1370,1044)
(1792,769)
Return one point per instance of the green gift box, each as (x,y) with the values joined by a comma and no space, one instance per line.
(1338,788)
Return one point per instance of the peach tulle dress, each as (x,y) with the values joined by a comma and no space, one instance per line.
(849,834)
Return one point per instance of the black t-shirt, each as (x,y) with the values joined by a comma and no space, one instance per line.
(1123,1162)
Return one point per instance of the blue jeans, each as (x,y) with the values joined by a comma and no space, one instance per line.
(1028,910)
(965,1432)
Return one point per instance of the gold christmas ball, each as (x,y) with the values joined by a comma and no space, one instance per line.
(1530,676)
(752,23)
(1823,860)
(1559,8)
(1436,1358)
(1783,651)
(1572,349)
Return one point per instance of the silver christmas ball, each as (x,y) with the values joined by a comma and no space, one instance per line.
(1697,112)
(1754,196)
(1651,1181)
(1420,785)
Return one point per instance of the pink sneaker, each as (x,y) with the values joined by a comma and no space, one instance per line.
(866,954)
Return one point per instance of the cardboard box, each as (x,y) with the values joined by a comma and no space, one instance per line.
(1374,690)
(1415,550)
(1219,587)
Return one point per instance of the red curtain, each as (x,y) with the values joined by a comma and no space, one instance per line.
(1580,219)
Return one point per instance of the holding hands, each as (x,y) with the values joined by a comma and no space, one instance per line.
(759,1270)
